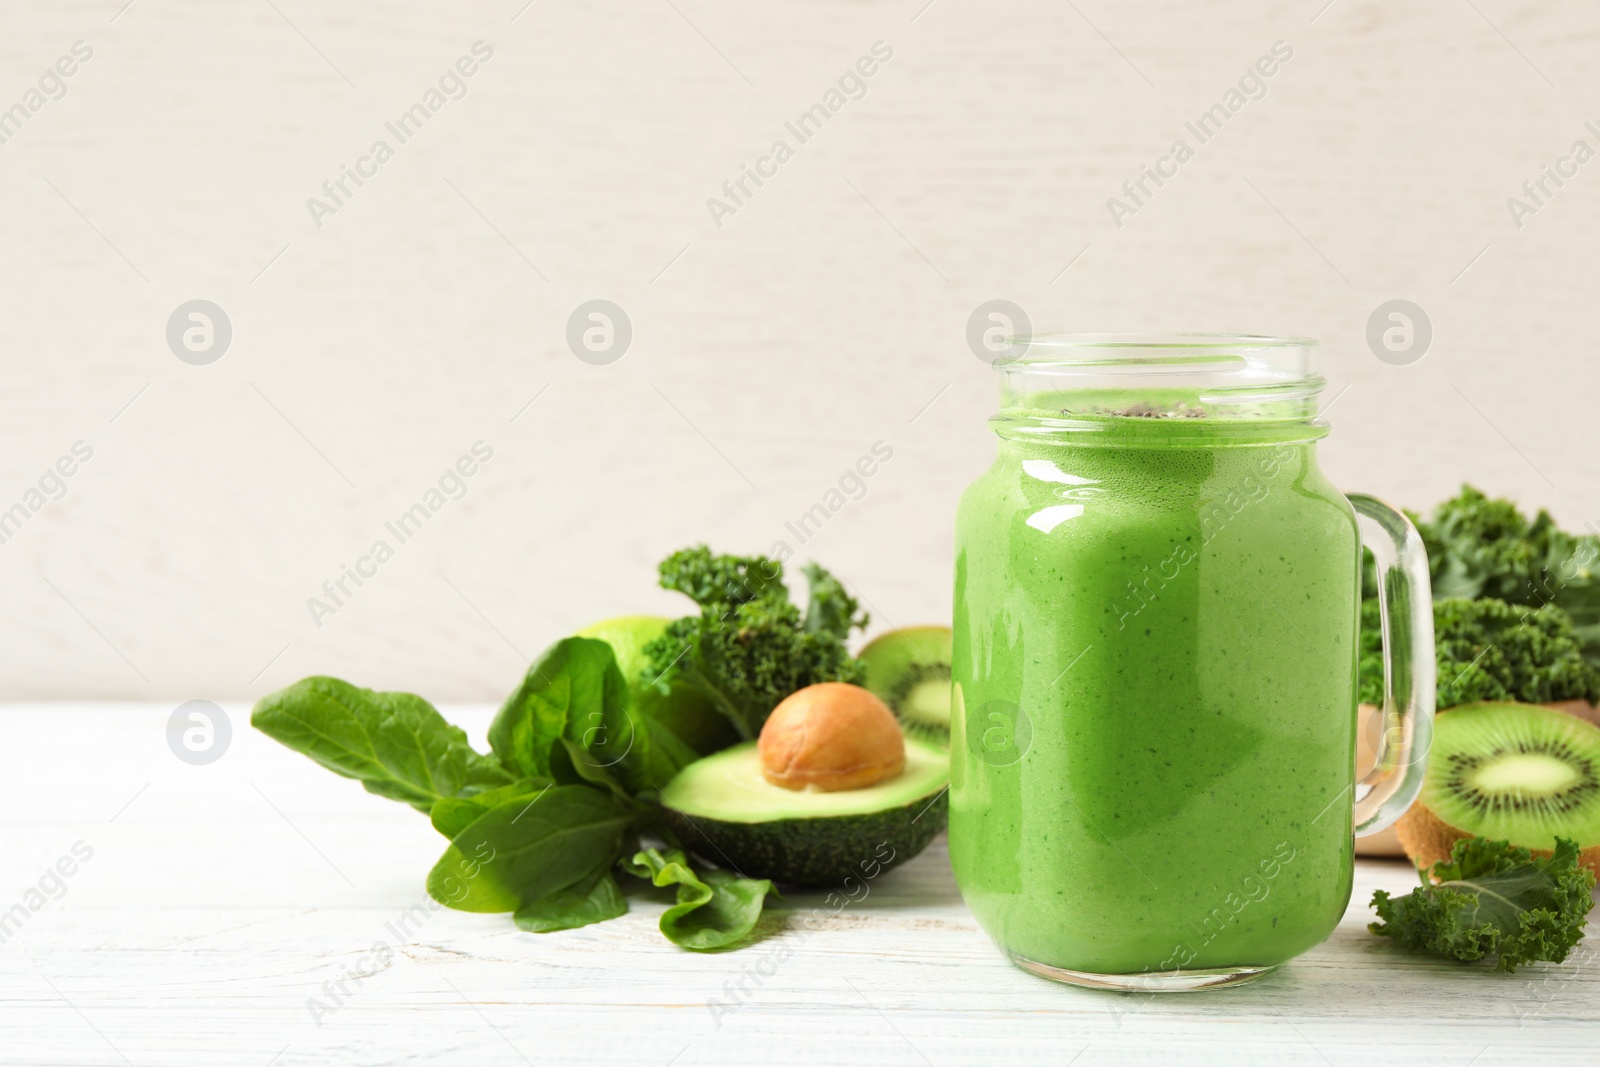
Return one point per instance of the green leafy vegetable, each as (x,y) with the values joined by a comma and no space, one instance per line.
(451,815)
(523,850)
(571,719)
(725,580)
(573,690)
(569,909)
(830,610)
(749,647)
(395,744)
(1478,547)
(540,827)
(540,836)
(1493,899)
(715,910)
(1489,650)
(668,753)
(1489,548)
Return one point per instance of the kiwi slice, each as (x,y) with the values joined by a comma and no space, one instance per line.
(1515,772)
(909,670)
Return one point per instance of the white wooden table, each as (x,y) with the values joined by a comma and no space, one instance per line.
(219,899)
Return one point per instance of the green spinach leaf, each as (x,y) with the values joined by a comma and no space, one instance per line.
(523,850)
(572,719)
(569,909)
(713,911)
(396,744)
(451,815)
(571,762)
(666,756)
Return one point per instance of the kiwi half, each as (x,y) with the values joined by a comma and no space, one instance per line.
(909,670)
(1515,772)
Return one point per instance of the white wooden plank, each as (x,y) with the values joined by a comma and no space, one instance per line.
(205,921)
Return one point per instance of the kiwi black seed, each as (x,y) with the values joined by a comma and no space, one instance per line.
(1515,772)
(921,700)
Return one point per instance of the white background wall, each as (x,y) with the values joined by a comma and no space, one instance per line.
(769,353)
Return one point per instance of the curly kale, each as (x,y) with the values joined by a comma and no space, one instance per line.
(750,646)
(722,580)
(1488,548)
(1489,650)
(831,610)
(1478,547)
(1493,899)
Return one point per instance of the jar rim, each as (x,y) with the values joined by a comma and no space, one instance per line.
(1161,341)
(1171,384)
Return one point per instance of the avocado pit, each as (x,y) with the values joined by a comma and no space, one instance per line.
(831,737)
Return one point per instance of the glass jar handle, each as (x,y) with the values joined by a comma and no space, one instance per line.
(1405,605)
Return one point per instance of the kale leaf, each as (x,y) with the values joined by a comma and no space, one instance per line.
(1487,649)
(1479,547)
(1493,899)
(750,646)
(831,610)
(722,580)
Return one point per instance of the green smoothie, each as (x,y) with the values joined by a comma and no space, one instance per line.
(1153,744)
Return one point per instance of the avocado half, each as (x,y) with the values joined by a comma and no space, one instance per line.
(725,810)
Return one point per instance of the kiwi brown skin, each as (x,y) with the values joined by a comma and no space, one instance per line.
(1580,708)
(1428,839)
(1417,833)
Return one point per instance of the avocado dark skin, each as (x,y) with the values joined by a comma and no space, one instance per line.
(817,853)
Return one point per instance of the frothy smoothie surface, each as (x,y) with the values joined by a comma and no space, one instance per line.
(1155,661)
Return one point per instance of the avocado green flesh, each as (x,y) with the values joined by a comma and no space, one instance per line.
(730,786)
(727,812)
